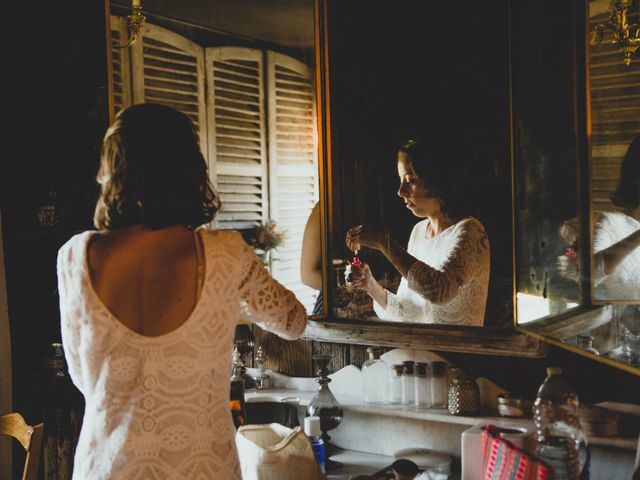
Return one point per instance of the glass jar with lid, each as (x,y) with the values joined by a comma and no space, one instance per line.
(395,384)
(375,378)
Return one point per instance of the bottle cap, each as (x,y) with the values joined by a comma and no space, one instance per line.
(397,368)
(312,427)
(438,368)
(374,352)
(421,369)
(408,367)
(554,370)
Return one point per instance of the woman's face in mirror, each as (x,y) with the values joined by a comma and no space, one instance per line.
(413,191)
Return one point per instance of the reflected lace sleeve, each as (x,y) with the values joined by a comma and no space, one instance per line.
(266,302)
(468,255)
(399,309)
(603,238)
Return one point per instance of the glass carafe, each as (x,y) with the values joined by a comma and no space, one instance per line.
(325,406)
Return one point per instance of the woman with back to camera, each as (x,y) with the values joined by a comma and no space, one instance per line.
(445,268)
(149,307)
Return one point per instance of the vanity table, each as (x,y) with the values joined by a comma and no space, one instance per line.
(370,434)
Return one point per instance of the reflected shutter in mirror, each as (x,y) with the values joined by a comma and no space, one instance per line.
(293,163)
(120,60)
(237,138)
(169,69)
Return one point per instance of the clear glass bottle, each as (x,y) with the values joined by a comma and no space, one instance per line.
(375,378)
(423,386)
(558,432)
(395,384)
(439,385)
(236,400)
(585,342)
(408,383)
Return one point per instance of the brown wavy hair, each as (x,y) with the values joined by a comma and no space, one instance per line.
(152,172)
(627,194)
(438,168)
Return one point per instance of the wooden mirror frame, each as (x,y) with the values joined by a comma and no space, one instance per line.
(327,328)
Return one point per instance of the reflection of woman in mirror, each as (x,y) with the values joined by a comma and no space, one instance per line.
(617,234)
(445,268)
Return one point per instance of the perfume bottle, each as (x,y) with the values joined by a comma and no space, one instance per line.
(357,263)
(236,399)
(325,406)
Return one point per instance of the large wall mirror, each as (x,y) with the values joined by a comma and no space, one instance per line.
(577,165)
(243,71)
(248,72)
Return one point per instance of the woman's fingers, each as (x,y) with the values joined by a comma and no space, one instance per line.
(353,238)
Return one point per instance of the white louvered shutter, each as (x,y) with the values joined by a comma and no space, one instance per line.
(293,164)
(169,69)
(120,63)
(237,138)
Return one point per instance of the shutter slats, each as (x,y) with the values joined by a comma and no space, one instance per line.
(120,65)
(293,164)
(168,69)
(615,109)
(237,134)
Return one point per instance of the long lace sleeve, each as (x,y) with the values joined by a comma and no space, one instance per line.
(266,302)
(400,307)
(466,259)
(603,238)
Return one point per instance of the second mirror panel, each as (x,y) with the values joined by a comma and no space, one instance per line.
(394,80)
(243,71)
(615,160)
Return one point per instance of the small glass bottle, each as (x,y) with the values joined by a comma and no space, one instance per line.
(375,378)
(312,430)
(238,409)
(395,384)
(439,385)
(408,383)
(423,386)
(586,343)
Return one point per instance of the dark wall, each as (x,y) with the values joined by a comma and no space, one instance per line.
(400,70)
(54,101)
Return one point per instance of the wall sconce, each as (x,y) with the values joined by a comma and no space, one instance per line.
(625,36)
(134,22)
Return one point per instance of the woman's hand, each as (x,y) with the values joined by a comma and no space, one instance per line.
(358,277)
(365,236)
(569,266)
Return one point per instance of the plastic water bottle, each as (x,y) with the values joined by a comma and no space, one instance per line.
(558,431)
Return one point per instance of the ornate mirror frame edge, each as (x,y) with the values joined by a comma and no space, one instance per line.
(326,328)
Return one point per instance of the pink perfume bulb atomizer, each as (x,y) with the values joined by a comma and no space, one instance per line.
(356,262)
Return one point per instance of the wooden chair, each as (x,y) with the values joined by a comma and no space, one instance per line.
(13,425)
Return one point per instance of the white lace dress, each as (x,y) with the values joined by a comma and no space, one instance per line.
(624,282)
(449,281)
(158,407)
